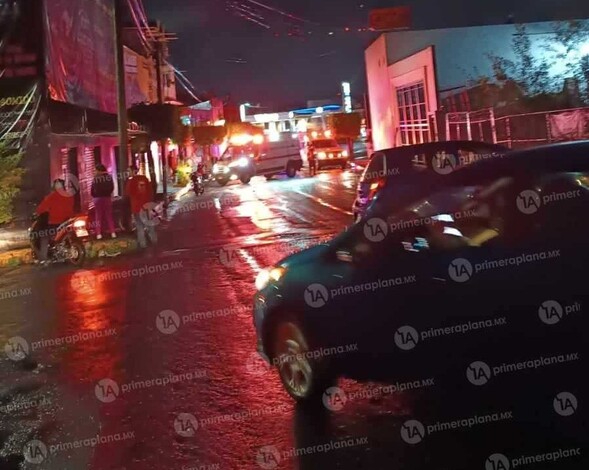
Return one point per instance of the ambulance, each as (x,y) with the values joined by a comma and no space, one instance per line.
(248,156)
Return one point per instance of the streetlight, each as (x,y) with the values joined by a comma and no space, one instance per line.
(243,111)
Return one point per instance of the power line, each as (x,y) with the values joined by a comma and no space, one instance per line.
(141,22)
(276,10)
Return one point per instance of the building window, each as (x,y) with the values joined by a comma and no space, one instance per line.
(413,120)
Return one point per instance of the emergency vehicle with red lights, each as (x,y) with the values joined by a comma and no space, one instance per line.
(257,155)
(323,151)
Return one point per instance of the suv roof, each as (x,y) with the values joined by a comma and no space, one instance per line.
(402,156)
(563,157)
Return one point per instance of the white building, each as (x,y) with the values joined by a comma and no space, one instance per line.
(409,73)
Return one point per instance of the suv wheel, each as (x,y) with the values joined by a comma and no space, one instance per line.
(304,378)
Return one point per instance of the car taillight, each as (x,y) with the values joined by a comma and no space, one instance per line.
(81,228)
(375,188)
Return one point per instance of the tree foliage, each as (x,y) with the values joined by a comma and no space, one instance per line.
(10,181)
(208,135)
(536,75)
(345,125)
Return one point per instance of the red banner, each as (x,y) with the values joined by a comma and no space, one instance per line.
(386,19)
(80,59)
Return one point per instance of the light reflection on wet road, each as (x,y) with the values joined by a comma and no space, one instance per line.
(205,367)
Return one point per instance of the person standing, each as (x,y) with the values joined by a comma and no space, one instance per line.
(102,189)
(56,208)
(311,159)
(173,165)
(141,196)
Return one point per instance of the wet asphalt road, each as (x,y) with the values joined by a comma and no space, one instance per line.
(147,361)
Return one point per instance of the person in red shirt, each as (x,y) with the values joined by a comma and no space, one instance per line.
(56,208)
(140,192)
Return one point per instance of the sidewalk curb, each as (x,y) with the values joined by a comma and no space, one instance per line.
(94,249)
(19,254)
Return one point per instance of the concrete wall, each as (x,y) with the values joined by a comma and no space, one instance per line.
(416,68)
(445,59)
(462,53)
(380,94)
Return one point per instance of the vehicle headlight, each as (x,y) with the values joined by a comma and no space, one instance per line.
(267,276)
(242,163)
(322,155)
(220,169)
(345,153)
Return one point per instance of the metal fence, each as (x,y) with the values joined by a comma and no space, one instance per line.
(519,130)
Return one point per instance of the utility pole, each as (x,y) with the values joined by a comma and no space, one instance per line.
(123,156)
(160,99)
(159,40)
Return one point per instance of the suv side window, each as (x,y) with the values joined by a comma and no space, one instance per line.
(375,168)
(478,220)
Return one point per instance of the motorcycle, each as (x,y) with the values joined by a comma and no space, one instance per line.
(197,183)
(66,242)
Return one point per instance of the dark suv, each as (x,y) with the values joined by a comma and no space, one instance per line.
(500,252)
(408,171)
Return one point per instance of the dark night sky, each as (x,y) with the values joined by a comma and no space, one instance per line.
(286,71)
